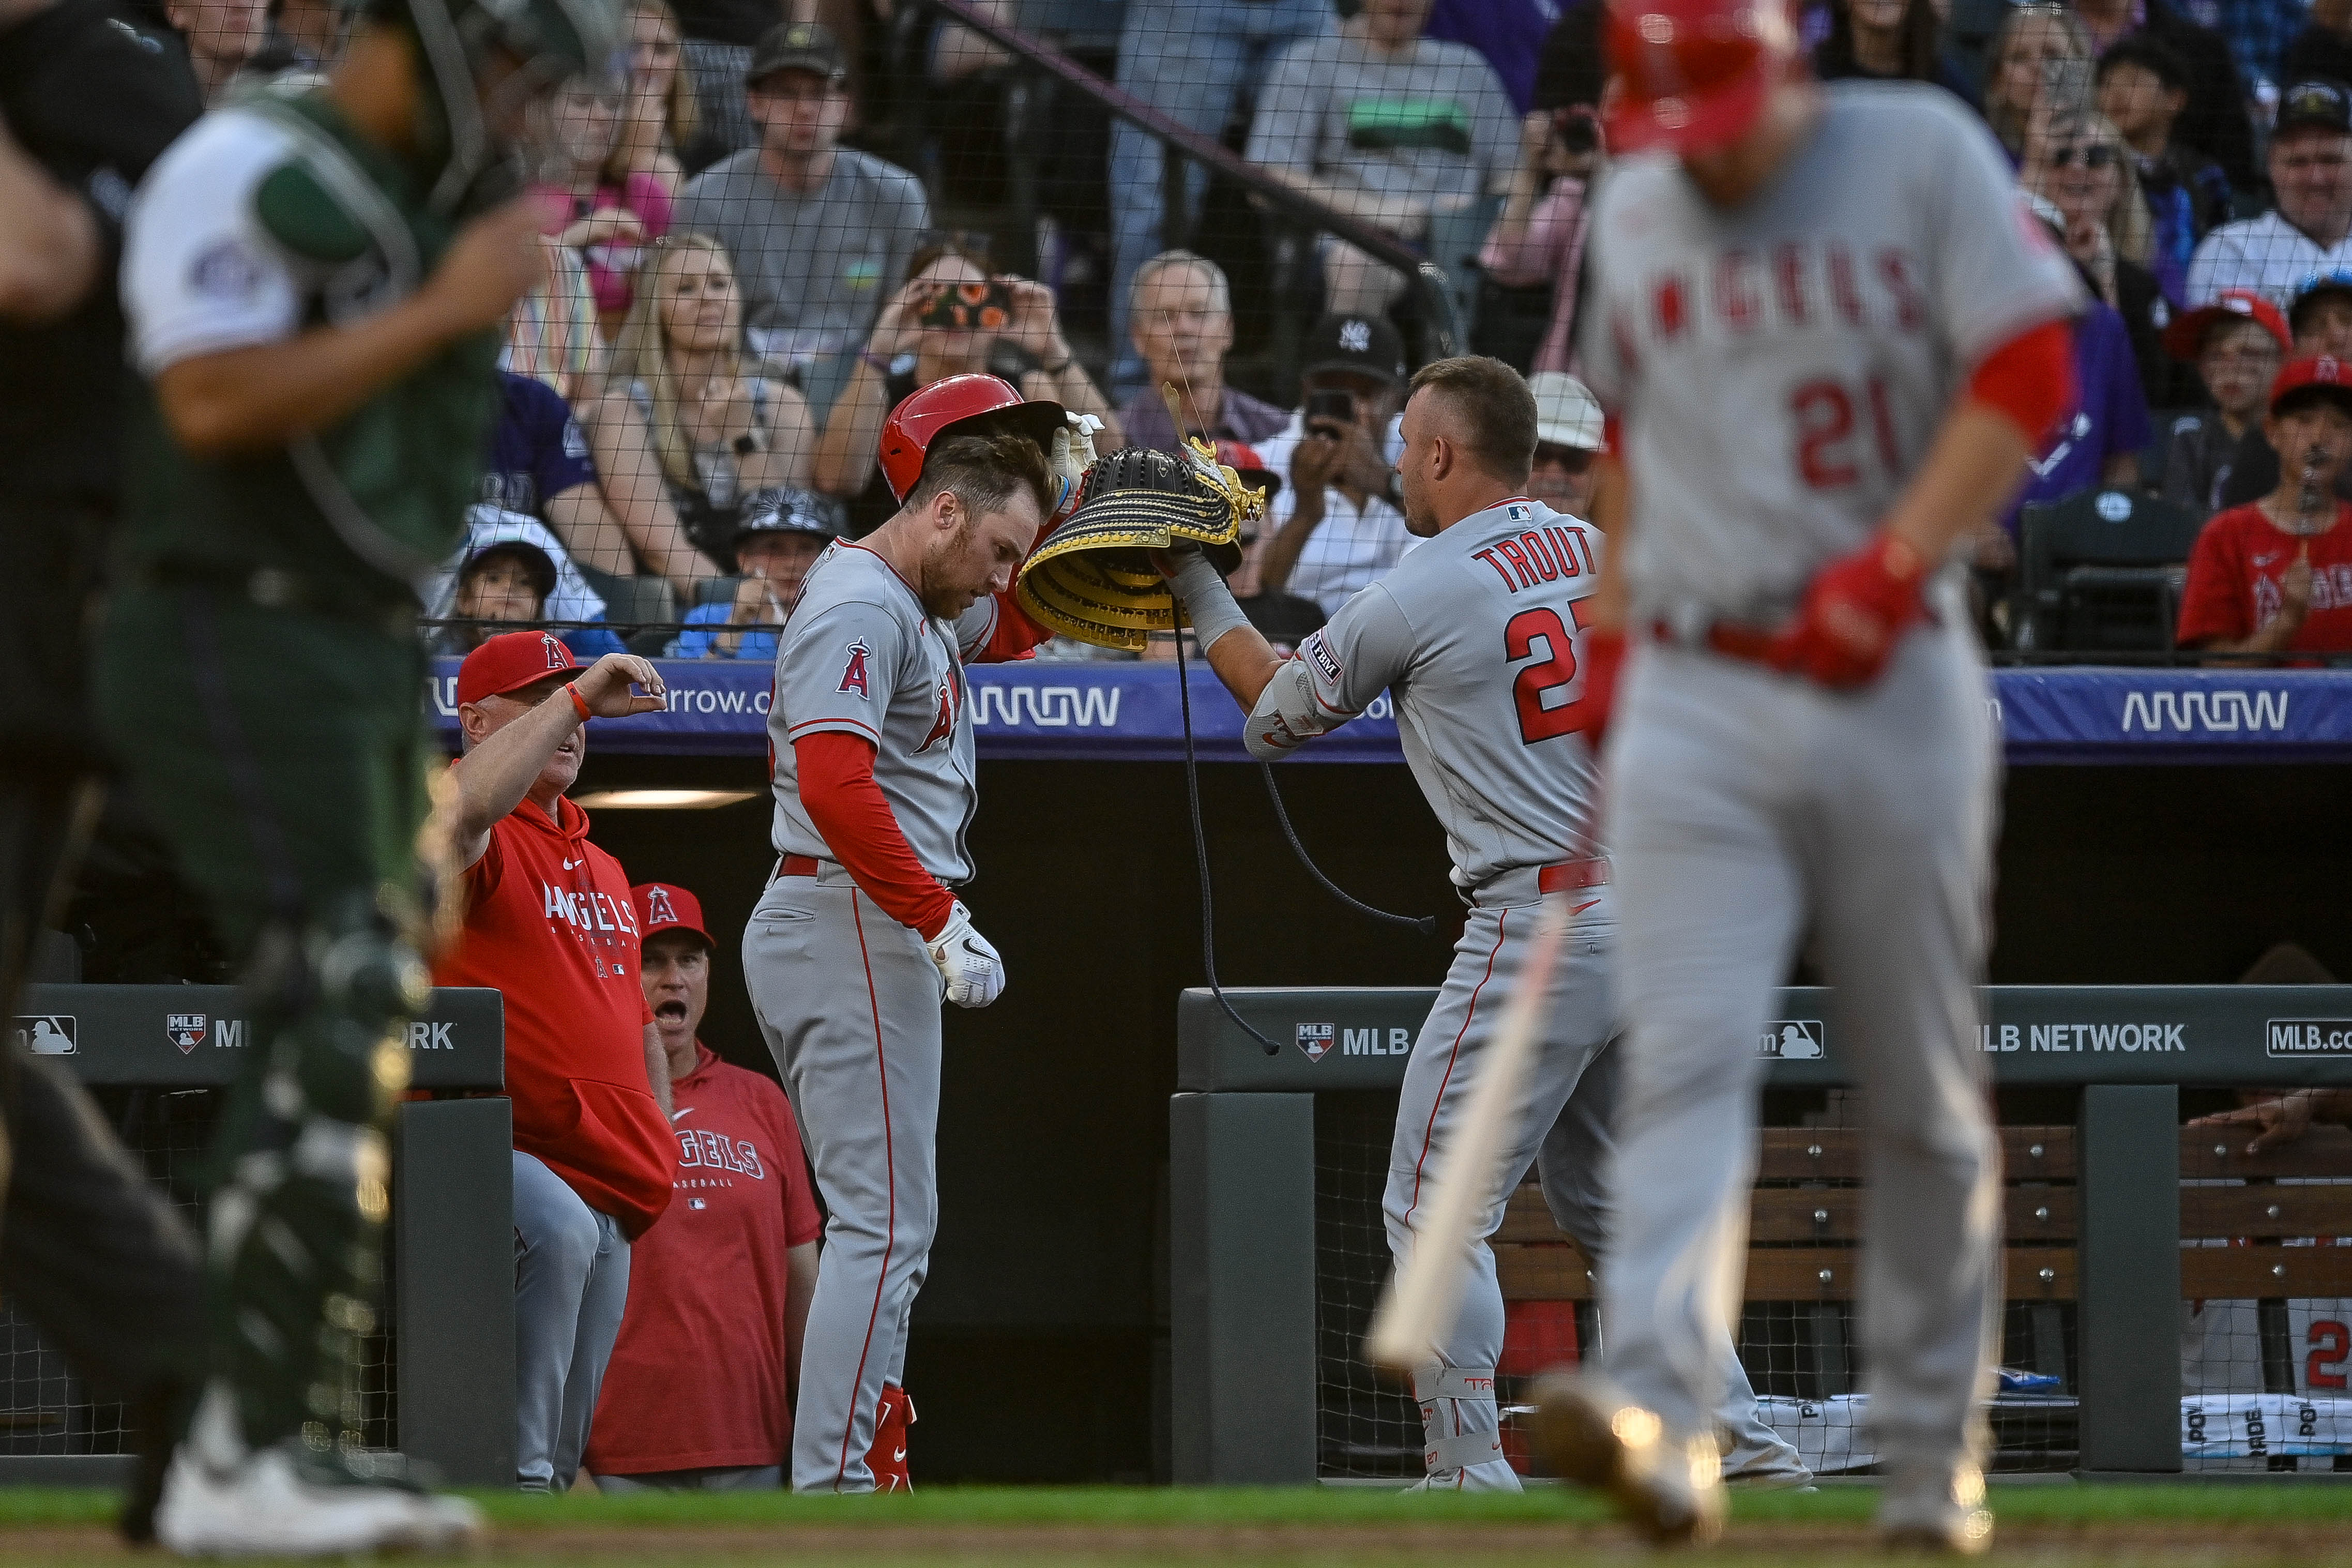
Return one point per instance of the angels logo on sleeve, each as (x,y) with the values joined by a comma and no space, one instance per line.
(853,672)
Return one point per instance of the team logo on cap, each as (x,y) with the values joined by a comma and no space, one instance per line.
(658,910)
(558,657)
(1356,337)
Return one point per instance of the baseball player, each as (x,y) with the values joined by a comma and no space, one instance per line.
(858,937)
(1831,339)
(1475,633)
(315,284)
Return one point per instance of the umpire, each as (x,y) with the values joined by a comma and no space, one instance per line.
(90,95)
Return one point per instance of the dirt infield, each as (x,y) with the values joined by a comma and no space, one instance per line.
(2291,1524)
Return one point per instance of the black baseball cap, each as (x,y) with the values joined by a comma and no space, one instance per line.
(1367,345)
(797,46)
(784,512)
(2315,105)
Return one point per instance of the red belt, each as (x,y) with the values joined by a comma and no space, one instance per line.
(1569,875)
(795,865)
(1729,638)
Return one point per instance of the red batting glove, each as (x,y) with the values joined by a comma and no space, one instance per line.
(1853,614)
(1604,654)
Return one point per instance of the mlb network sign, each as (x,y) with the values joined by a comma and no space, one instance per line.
(2308,1037)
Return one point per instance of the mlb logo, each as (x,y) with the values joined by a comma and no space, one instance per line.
(187,1029)
(1794,1039)
(1315,1039)
(49,1034)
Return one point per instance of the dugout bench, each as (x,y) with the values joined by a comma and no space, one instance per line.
(1265,1304)
(438,1383)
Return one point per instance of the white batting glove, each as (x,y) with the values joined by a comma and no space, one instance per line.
(973,970)
(1072,455)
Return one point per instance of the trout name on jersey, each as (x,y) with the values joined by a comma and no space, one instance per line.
(1536,557)
(1801,283)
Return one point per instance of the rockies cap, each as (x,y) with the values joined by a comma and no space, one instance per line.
(2185,338)
(2310,378)
(665,906)
(1695,74)
(785,511)
(511,660)
(2315,105)
(1367,345)
(1567,414)
(797,46)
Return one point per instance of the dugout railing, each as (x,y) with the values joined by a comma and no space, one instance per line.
(435,1377)
(2125,1232)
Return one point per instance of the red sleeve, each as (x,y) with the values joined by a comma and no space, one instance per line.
(1612,436)
(1014,636)
(2215,604)
(847,807)
(2030,379)
(482,877)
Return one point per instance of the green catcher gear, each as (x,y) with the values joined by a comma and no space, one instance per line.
(473,107)
(1091,578)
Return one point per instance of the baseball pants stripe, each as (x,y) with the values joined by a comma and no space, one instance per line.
(1749,812)
(848,1000)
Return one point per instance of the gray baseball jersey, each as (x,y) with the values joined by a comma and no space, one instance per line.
(1816,335)
(1474,634)
(859,655)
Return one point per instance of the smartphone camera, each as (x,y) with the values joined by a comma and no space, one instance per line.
(1340,407)
(1577,128)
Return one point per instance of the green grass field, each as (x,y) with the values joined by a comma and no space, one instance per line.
(2289,1522)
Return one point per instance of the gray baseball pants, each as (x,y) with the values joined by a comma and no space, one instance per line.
(572,1282)
(849,1001)
(1570,1093)
(1749,811)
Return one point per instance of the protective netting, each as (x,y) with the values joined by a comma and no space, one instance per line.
(45,1410)
(2264,1378)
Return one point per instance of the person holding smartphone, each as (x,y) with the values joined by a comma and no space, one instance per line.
(1539,236)
(1337,522)
(953,317)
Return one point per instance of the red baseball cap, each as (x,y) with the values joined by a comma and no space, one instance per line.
(2331,375)
(511,660)
(1244,461)
(1692,75)
(2185,338)
(665,906)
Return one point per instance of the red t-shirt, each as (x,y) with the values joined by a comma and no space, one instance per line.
(549,926)
(2233,580)
(697,1379)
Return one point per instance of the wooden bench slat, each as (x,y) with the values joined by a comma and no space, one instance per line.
(2240,1273)
(1787,1213)
(1532,1272)
(2266,1212)
(2222,1152)
(1551,1272)
(1834,1154)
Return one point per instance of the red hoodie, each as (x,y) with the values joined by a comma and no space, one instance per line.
(549,925)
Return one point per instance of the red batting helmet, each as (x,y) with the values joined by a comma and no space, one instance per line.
(1692,75)
(949,404)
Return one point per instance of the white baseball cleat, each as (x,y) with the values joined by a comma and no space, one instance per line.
(1589,1431)
(280,1503)
(1938,1511)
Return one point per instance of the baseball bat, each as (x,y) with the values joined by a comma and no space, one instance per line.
(1417,1307)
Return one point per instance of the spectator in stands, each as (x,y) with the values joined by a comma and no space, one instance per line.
(2275,576)
(661,114)
(511,573)
(923,337)
(2260,33)
(1539,236)
(2322,51)
(2318,322)
(2215,121)
(221,36)
(542,464)
(1507,34)
(300,36)
(1284,619)
(2031,41)
(1889,40)
(1179,316)
(2310,230)
(2084,171)
(553,334)
(1195,62)
(817,230)
(1387,126)
(549,925)
(718,40)
(2236,343)
(1337,523)
(719,423)
(778,540)
(613,211)
(1573,67)
(1568,440)
(2142,90)
(700,1393)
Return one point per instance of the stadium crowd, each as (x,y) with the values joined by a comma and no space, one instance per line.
(751,268)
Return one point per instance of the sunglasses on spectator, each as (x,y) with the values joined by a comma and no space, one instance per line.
(1575,459)
(2094,155)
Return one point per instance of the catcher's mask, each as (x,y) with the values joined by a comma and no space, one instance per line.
(527,48)
(1091,580)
